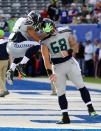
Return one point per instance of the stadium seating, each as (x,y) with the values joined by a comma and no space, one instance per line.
(19,8)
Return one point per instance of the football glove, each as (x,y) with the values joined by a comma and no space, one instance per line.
(48,28)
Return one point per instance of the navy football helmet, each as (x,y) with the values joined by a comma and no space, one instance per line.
(36,17)
(45,21)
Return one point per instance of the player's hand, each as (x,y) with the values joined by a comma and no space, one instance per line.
(64,53)
(48,28)
(53,78)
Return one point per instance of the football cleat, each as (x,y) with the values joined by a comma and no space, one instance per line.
(6,93)
(93,114)
(53,94)
(20,68)
(65,119)
(63,122)
(9,76)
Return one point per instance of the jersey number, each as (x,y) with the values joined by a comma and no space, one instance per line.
(61,46)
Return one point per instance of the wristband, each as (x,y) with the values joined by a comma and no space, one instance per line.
(49,72)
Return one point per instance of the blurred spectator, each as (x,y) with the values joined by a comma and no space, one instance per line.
(33,66)
(11,23)
(83,15)
(80,57)
(63,15)
(100,4)
(3,23)
(98,58)
(83,20)
(51,10)
(72,12)
(89,63)
(55,0)
(97,16)
(64,2)
(84,11)
(75,20)
(96,45)
(44,13)
(83,2)
(57,12)
(37,63)
(30,67)
(93,2)
(94,7)
(3,64)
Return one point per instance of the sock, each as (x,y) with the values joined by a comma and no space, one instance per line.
(13,66)
(63,103)
(65,114)
(90,108)
(85,95)
(24,60)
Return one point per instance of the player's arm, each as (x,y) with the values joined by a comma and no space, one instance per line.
(33,34)
(73,44)
(46,58)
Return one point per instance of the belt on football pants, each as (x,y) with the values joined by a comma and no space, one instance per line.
(60,60)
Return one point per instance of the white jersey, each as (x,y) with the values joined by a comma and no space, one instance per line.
(58,42)
(18,40)
(21,26)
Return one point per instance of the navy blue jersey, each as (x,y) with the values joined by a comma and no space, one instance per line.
(64,14)
(3,53)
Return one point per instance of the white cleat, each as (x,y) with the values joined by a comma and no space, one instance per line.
(9,76)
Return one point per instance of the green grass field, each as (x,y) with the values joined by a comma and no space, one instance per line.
(86,79)
(92,80)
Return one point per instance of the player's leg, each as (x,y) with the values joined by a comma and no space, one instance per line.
(53,89)
(19,50)
(4,69)
(10,72)
(1,81)
(29,53)
(60,85)
(75,76)
(16,50)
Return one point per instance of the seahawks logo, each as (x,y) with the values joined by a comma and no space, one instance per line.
(29,22)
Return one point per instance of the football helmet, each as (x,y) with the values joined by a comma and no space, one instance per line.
(47,21)
(36,17)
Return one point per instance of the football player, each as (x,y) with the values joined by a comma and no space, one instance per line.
(19,44)
(59,47)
